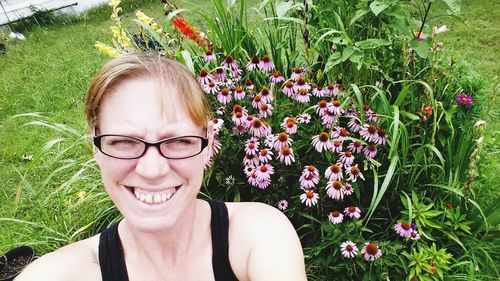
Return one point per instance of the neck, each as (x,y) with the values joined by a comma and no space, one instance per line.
(170,246)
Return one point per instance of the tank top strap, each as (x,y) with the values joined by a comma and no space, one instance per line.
(111,256)
(220,242)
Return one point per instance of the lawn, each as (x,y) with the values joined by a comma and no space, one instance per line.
(49,72)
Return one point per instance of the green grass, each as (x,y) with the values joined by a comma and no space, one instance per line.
(49,73)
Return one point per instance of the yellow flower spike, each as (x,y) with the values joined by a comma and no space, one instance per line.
(114,3)
(107,50)
(142,17)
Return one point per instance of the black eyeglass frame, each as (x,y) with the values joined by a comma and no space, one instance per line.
(97,143)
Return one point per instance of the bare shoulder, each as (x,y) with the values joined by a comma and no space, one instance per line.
(272,245)
(77,261)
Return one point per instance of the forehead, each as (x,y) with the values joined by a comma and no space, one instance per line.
(143,105)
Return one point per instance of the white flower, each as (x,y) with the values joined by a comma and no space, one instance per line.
(440,29)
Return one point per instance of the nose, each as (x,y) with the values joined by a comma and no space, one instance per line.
(152,165)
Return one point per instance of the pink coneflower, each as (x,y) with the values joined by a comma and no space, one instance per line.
(289,125)
(238,117)
(369,132)
(370,150)
(217,125)
(339,132)
(302,96)
(216,146)
(249,84)
(346,158)
(465,100)
(230,63)
(211,88)
(282,140)
(297,73)
(371,251)
(371,116)
(352,211)
(321,107)
(336,107)
(349,249)
(257,101)
(263,183)
(414,235)
(252,148)
(235,75)
(355,147)
(381,137)
(251,160)
(204,78)
(249,170)
(337,146)
(318,91)
(309,197)
(266,64)
(328,119)
(335,217)
(289,89)
(309,177)
(332,90)
(335,190)
(266,95)
(403,229)
(286,156)
(258,128)
(282,204)
(264,171)
(265,110)
(269,141)
(302,84)
(321,142)
(224,96)
(248,121)
(221,110)
(354,125)
(265,155)
(252,140)
(209,56)
(304,118)
(276,78)
(240,129)
(253,63)
(239,93)
(348,190)
(228,83)
(353,172)
(220,74)
(334,172)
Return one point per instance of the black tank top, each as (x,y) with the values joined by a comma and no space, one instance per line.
(112,260)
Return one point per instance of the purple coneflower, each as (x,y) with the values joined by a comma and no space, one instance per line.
(264,171)
(339,132)
(328,119)
(304,118)
(302,84)
(224,96)
(266,95)
(289,89)
(238,117)
(276,78)
(251,160)
(334,172)
(355,147)
(266,64)
(335,190)
(282,204)
(381,137)
(414,235)
(252,148)
(282,140)
(369,132)
(249,84)
(257,101)
(253,63)
(348,190)
(352,211)
(204,78)
(321,107)
(332,90)
(230,63)
(302,96)
(286,156)
(309,177)
(321,142)
(239,93)
(336,107)
(354,125)
(349,249)
(371,251)
(209,56)
(403,229)
(258,128)
(217,125)
(265,110)
(289,125)
(318,91)
(346,158)
(265,155)
(335,217)
(370,150)
(337,146)
(240,129)
(309,197)
(211,88)
(465,100)
(353,172)
(371,116)
(297,73)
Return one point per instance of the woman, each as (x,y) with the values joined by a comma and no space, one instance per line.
(152,141)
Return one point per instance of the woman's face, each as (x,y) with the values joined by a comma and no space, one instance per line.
(139,187)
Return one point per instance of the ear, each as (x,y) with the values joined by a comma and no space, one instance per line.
(210,136)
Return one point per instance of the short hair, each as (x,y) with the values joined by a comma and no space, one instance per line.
(168,72)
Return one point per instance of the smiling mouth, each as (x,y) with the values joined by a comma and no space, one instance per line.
(153,198)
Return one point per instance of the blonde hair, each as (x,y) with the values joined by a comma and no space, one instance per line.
(168,72)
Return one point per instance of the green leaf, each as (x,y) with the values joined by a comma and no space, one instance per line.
(359,14)
(372,43)
(421,47)
(377,7)
(347,53)
(454,6)
(333,60)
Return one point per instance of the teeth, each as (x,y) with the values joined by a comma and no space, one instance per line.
(154,199)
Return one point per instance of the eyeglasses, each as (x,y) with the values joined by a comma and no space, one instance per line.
(125,147)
